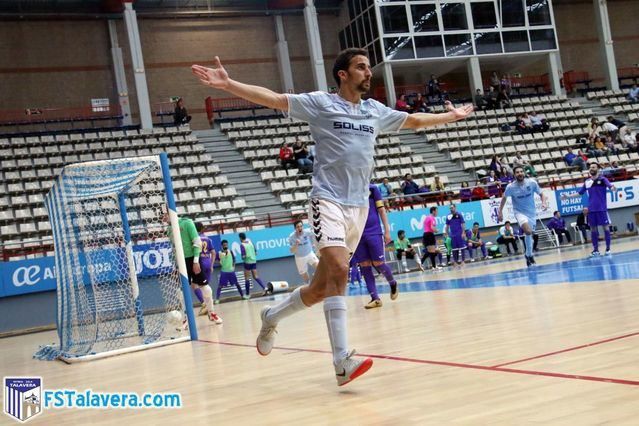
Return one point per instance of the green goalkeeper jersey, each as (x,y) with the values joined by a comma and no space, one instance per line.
(191,243)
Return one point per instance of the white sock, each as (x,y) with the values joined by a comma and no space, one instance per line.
(293,303)
(207,295)
(335,313)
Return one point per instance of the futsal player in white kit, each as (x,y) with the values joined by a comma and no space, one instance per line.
(344,128)
(301,245)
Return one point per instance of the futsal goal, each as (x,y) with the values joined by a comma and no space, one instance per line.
(119,262)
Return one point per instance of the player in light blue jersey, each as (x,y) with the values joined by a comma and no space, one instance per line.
(301,245)
(522,193)
(344,127)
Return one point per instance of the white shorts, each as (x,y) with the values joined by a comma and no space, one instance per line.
(335,225)
(304,262)
(522,218)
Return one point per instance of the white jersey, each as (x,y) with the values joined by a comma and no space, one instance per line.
(344,135)
(304,242)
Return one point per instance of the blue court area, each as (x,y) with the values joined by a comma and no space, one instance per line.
(619,266)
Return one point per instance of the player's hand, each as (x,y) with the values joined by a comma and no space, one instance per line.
(196,268)
(544,206)
(500,217)
(462,112)
(215,77)
(387,238)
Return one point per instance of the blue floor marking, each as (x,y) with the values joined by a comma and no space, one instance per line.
(619,266)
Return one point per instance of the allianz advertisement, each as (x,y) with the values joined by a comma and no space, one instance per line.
(36,275)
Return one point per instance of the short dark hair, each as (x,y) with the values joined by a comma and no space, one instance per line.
(199,227)
(518,167)
(343,61)
(224,241)
(590,163)
(433,209)
(242,236)
(507,222)
(555,212)
(401,232)
(476,223)
(297,221)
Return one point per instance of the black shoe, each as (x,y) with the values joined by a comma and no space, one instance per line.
(528,261)
(532,260)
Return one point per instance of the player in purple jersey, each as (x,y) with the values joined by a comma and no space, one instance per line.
(206,259)
(456,228)
(370,250)
(597,186)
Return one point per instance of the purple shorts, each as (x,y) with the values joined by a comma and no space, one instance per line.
(227,278)
(457,242)
(370,247)
(205,264)
(250,266)
(598,219)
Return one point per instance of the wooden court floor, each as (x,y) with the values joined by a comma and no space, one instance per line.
(552,353)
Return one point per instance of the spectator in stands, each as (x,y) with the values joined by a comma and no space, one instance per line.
(311,152)
(465,193)
(495,82)
(538,122)
(609,142)
(622,129)
(629,142)
(503,99)
(491,98)
(401,104)
(287,157)
(633,95)
(438,185)
(573,159)
(558,226)
(520,125)
(500,168)
(419,104)
(180,116)
(409,187)
(385,188)
(491,177)
(506,84)
(478,192)
(520,161)
(598,148)
(300,151)
(480,100)
(582,224)
(507,237)
(593,129)
(609,128)
(434,92)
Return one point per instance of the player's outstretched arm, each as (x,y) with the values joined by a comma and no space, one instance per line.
(420,120)
(218,78)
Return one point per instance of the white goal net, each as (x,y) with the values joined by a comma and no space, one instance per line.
(119,287)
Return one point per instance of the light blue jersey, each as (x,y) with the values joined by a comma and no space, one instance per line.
(344,135)
(523,197)
(305,242)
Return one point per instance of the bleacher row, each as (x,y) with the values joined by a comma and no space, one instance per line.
(474,141)
(28,166)
(618,100)
(259,141)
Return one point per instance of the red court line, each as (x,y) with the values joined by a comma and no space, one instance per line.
(455,364)
(587,345)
